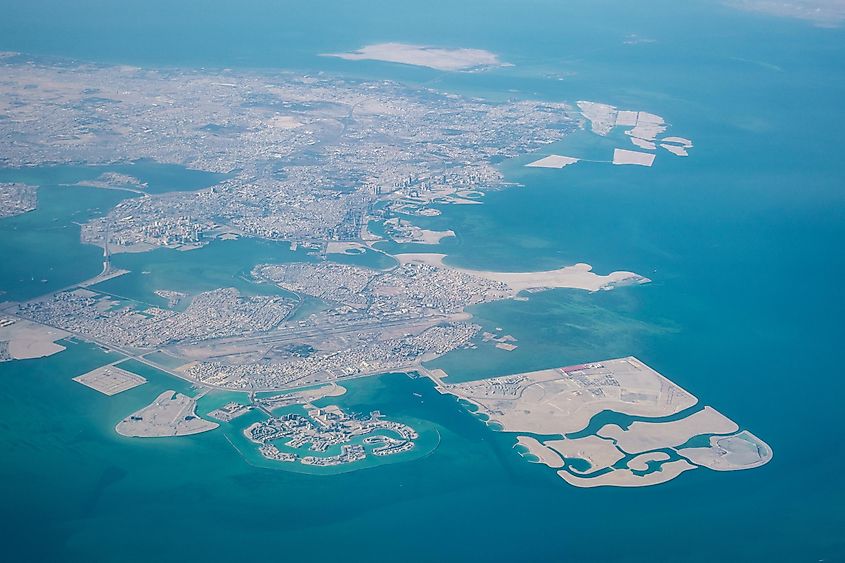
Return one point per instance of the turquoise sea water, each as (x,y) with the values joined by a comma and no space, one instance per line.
(743,240)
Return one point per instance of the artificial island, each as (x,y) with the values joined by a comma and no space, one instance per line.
(336,168)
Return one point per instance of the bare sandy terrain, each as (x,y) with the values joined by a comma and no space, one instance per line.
(643,144)
(579,276)
(553,161)
(640,463)
(564,400)
(335,247)
(626,118)
(674,149)
(171,414)
(624,156)
(602,117)
(731,453)
(648,126)
(546,455)
(686,143)
(110,380)
(424,55)
(600,453)
(26,339)
(303,396)
(626,478)
(823,13)
(644,436)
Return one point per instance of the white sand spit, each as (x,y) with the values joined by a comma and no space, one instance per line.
(424,55)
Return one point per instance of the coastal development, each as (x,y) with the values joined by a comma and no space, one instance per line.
(21,339)
(644,133)
(110,380)
(329,428)
(563,402)
(16,199)
(171,414)
(335,167)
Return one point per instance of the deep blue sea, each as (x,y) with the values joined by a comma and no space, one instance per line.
(743,240)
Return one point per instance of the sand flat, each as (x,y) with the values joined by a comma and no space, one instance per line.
(171,414)
(731,453)
(553,161)
(578,276)
(675,149)
(626,478)
(625,157)
(644,436)
(626,118)
(110,380)
(564,400)
(602,117)
(546,455)
(640,463)
(338,247)
(643,144)
(686,143)
(28,340)
(423,55)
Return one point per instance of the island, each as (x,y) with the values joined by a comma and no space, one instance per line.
(337,170)
(171,414)
(563,403)
(110,380)
(437,58)
(329,428)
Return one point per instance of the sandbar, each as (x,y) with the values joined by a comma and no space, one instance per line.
(437,58)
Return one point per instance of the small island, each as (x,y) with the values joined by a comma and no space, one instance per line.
(171,414)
